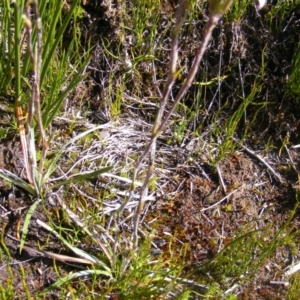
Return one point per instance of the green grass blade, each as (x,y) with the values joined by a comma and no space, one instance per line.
(6,51)
(57,39)
(26,223)
(55,13)
(69,277)
(48,115)
(17,66)
(293,86)
(82,177)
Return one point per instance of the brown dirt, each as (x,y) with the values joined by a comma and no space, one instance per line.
(257,201)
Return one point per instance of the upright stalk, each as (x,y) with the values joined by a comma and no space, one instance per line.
(217,9)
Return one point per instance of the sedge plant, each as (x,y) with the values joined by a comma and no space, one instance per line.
(38,71)
(29,53)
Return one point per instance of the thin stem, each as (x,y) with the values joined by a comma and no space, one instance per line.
(17,52)
(37,84)
(35,54)
(160,122)
(180,17)
(212,22)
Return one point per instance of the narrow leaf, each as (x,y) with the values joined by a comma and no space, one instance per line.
(69,277)
(81,177)
(26,223)
(14,179)
(57,39)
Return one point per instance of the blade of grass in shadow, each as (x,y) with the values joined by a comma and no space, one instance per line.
(14,179)
(2,241)
(26,223)
(293,85)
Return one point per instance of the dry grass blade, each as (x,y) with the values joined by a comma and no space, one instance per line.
(278,177)
(77,251)
(21,118)
(294,268)
(218,202)
(51,255)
